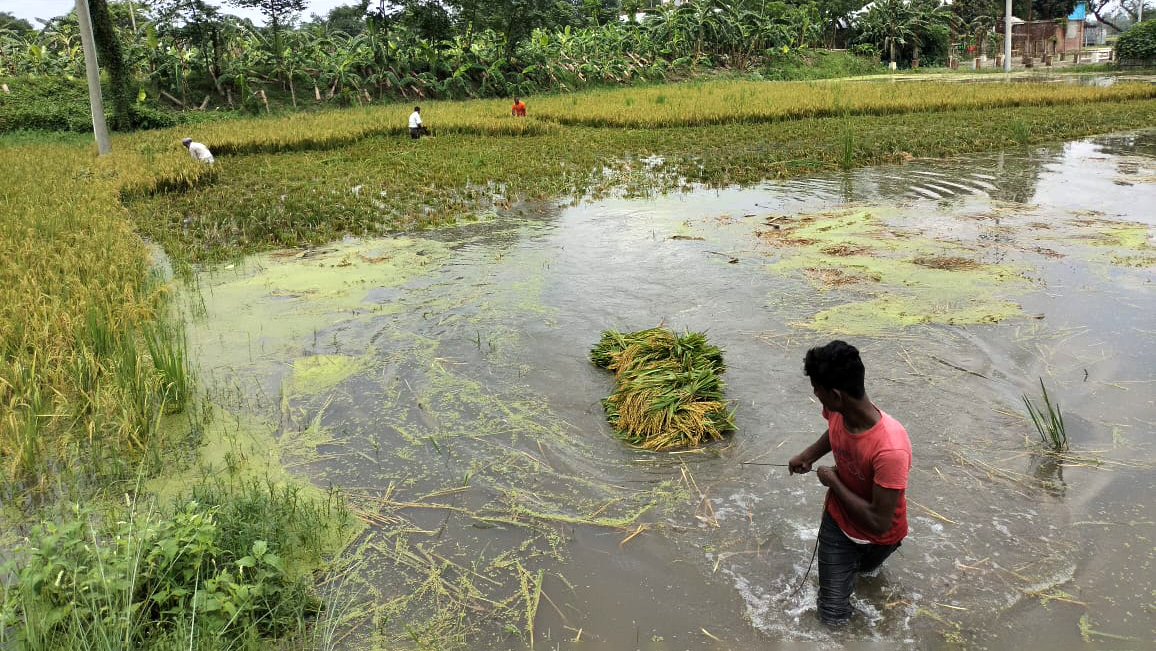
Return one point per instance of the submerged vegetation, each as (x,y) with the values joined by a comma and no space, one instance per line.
(87,372)
(668,391)
(898,276)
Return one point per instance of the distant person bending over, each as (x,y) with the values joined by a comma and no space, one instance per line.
(519,110)
(865,515)
(198,150)
(416,128)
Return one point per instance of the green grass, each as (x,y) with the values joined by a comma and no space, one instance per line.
(225,567)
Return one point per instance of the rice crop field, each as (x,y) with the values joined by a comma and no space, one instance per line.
(95,380)
(312,192)
(78,311)
(74,262)
(743,101)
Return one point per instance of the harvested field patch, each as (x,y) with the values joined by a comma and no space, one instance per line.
(1048,252)
(946,262)
(835,276)
(844,249)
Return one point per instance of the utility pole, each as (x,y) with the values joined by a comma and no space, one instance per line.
(99,128)
(1007,36)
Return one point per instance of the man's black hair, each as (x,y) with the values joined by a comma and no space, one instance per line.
(836,366)
(417,108)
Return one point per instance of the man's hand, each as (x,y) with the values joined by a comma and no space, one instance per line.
(827,475)
(799,465)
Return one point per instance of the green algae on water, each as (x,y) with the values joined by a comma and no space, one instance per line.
(889,311)
(318,373)
(885,276)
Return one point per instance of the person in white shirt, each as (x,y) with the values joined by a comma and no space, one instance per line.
(416,128)
(197,150)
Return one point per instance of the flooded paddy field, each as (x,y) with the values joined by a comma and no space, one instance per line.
(441,380)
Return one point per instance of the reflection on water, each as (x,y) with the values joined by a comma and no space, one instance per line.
(459,411)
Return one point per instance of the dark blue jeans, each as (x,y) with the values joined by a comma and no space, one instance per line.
(840,560)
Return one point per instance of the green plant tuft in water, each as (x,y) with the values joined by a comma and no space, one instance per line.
(668,391)
(1049,421)
(847,146)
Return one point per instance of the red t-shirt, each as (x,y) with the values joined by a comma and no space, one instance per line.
(881,455)
(520,108)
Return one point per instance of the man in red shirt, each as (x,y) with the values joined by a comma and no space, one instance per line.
(865,516)
(519,109)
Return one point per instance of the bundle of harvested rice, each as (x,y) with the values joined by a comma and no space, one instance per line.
(668,393)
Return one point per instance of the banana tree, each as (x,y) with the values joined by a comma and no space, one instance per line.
(890,24)
(340,71)
(10,47)
(933,21)
(980,28)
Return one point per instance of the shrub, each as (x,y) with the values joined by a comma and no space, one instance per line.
(818,64)
(44,104)
(865,50)
(1139,42)
(142,576)
(150,117)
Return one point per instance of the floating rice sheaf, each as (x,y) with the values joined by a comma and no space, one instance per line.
(668,391)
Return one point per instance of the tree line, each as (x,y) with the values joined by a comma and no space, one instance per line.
(193,53)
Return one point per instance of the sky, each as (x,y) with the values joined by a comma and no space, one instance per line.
(31,9)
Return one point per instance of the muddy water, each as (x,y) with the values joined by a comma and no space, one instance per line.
(442,381)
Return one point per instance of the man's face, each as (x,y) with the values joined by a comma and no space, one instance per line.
(831,399)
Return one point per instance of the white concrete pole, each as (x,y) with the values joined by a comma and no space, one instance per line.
(92,69)
(1007,36)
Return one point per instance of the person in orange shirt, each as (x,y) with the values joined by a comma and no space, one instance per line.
(519,109)
(865,515)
